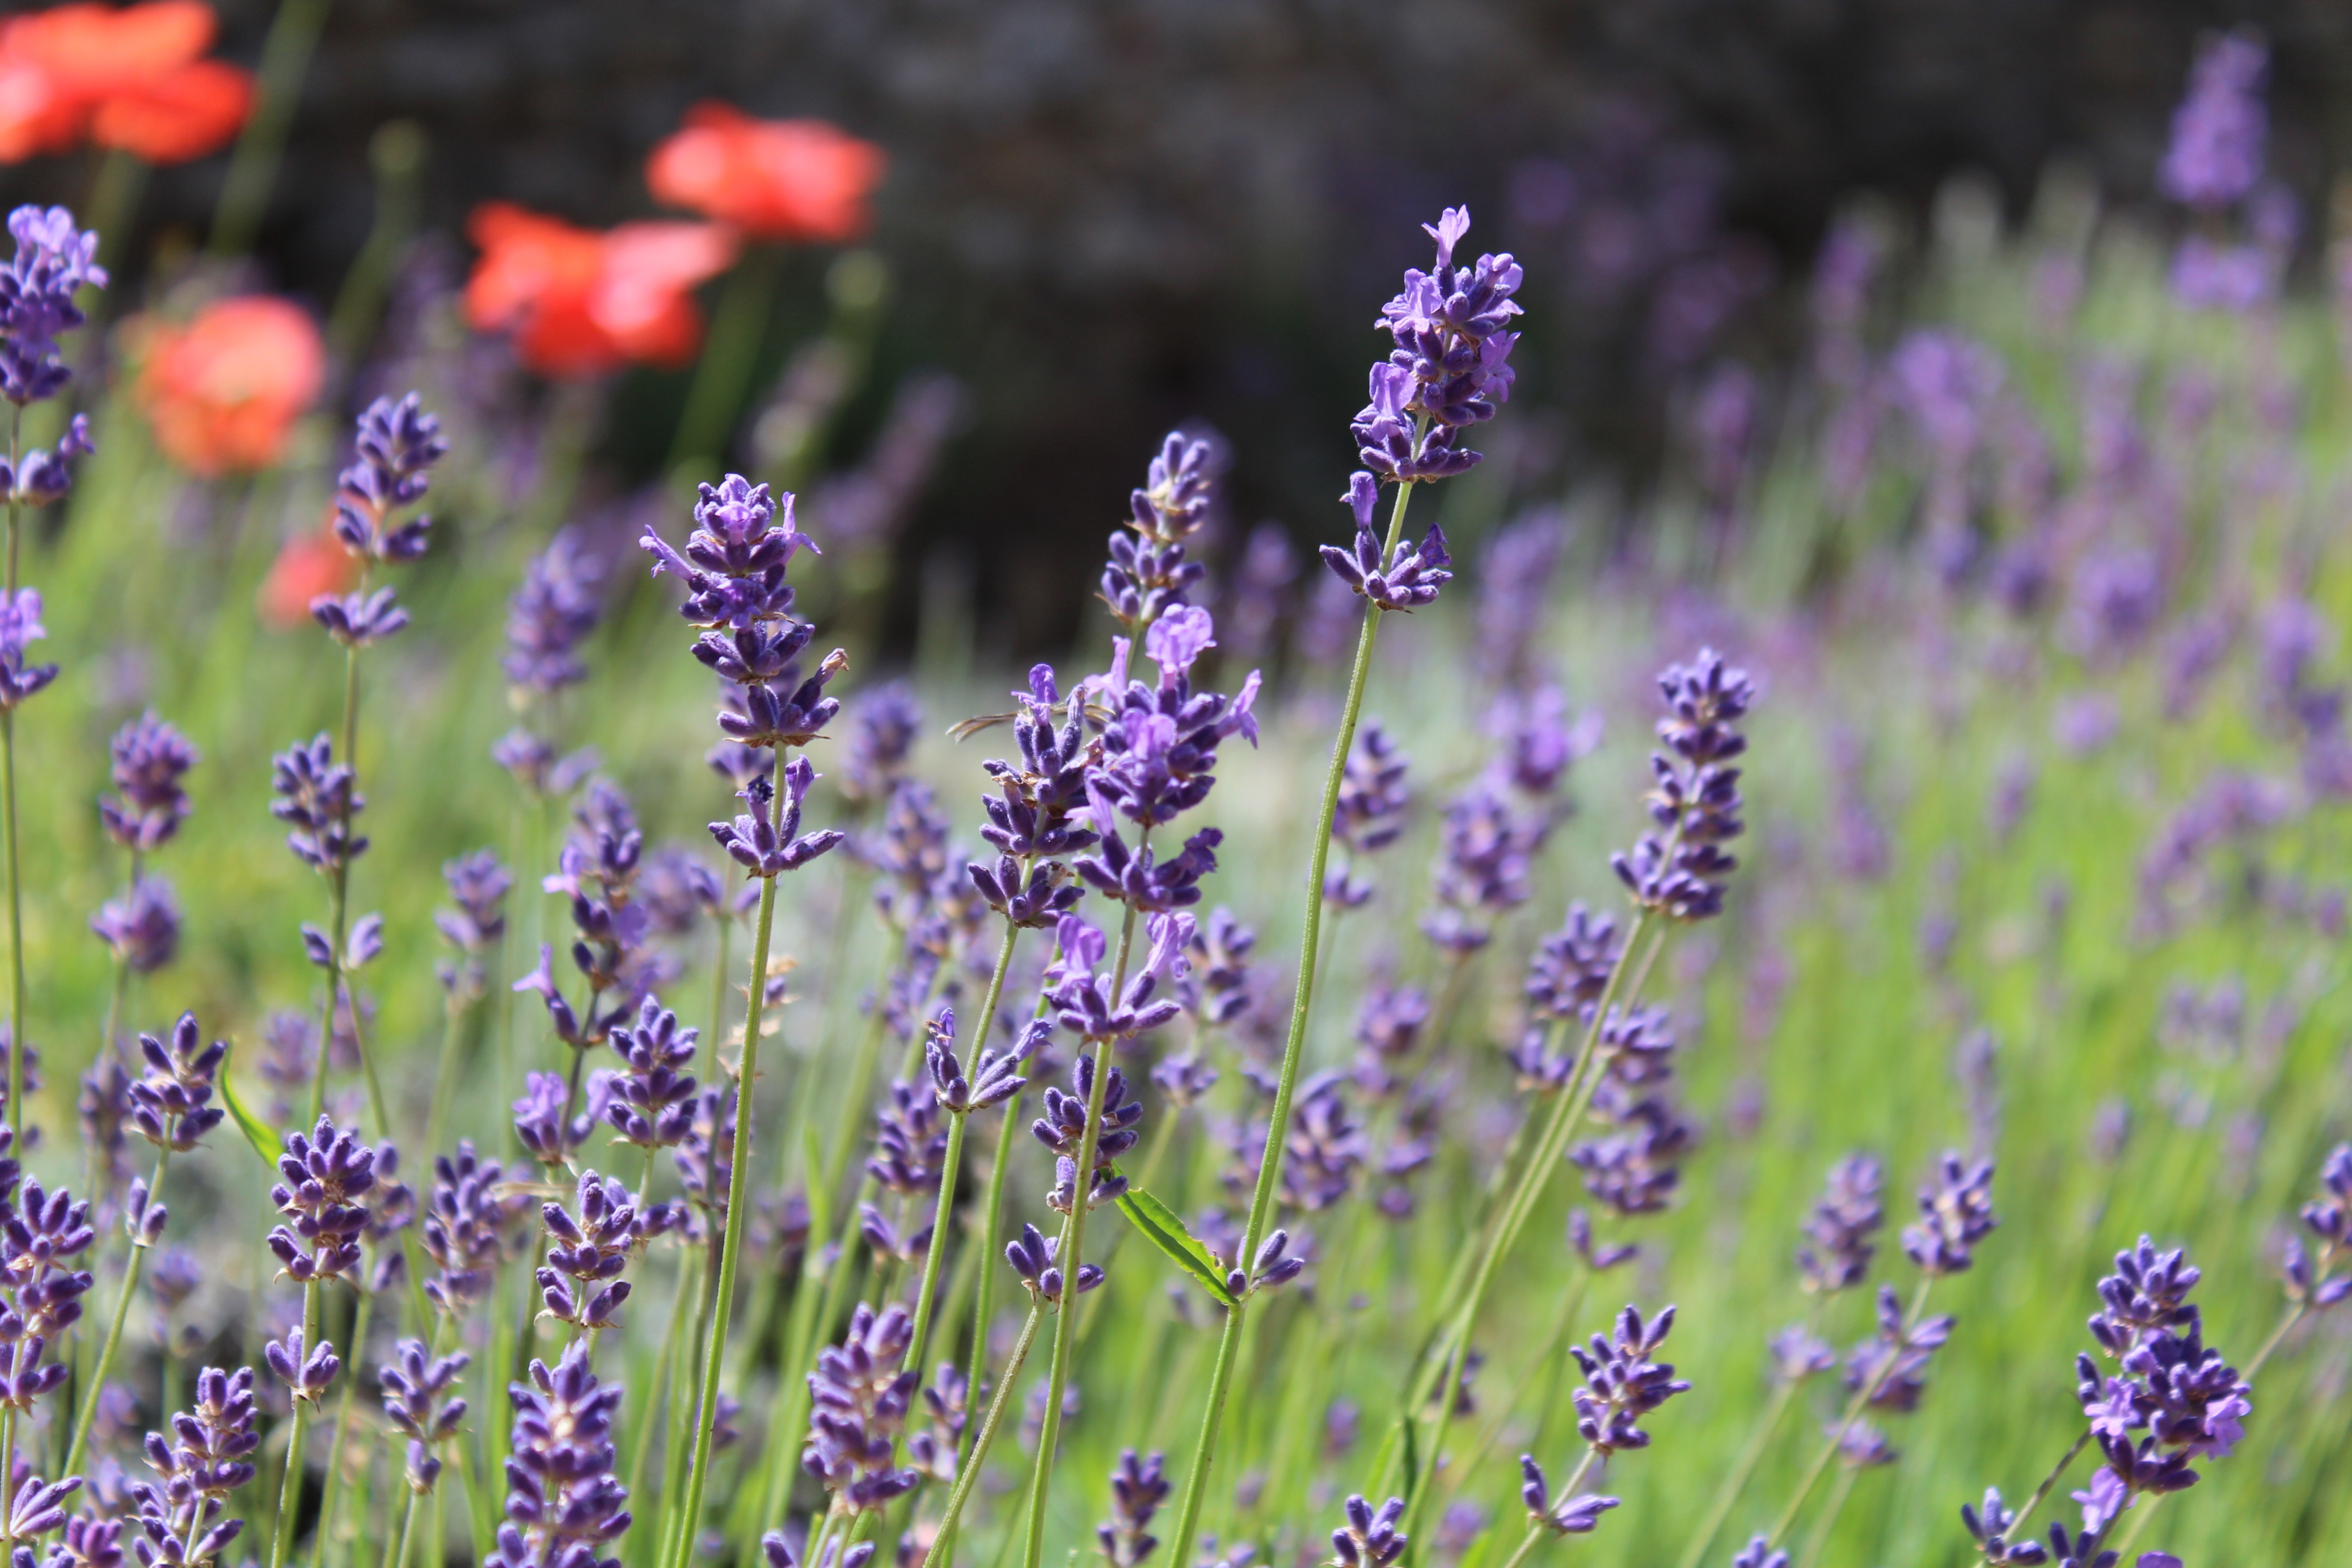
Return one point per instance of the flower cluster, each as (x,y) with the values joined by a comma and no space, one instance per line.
(995,1075)
(1370,1539)
(1451,366)
(469,1226)
(588,1246)
(42,1234)
(1032,1255)
(1696,800)
(1842,1235)
(318,797)
(208,1458)
(414,1383)
(860,1397)
(1578,1515)
(563,1504)
(325,1178)
(478,885)
(651,1101)
(170,1099)
(1138,1489)
(2312,1281)
(1622,1381)
(1371,812)
(1955,1213)
(1062,1129)
(2188,1401)
(1633,1168)
(597,870)
(554,610)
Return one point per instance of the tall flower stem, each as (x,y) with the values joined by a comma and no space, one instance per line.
(330,1504)
(641,1430)
(132,1269)
(747,1079)
(1575,1100)
(1818,1541)
(1066,1316)
(730,353)
(2294,1314)
(14,856)
(968,1472)
(1743,1470)
(253,168)
(290,1491)
(1853,1409)
(2057,1471)
(1188,1516)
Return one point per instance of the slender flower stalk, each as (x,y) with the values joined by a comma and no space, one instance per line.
(1448,372)
(734,569)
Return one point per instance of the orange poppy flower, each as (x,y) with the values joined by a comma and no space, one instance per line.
(773,179)
(223,390)
(579,302)
(308,565)
(132,79)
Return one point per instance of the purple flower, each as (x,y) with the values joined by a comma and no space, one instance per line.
(651,1101)
(307,1374)
(55,260)
(20,628)
(883,725)
(151,766)
(995,1076)
(414,1382)
(910,1142)
(468,1228)
(1486,853)
(767,848)
(1891,1367)
(1515,578)
(1063,1127)
(208,1458)
(171,1101)
(1578,1515)
(1622,1382)
(1388,1026)
(2216,154)
(1841,1234)
(1370,811)
(1368,1540)
(324,1179)
(397,444)
(706,1158)
(1538,742)
(1570,968)
(564,1503)
(1450,367)
(1031,1257)
(1036,811)
(1138,1488)
(539,1120)
(734,562)
(557,605)
(1325,1148)
(142,926)
(1407,577)
(316,795)
(1759,1554)
(1991,1530)
(1148,574)
(1086,1004)
(588,1246)
(1695,799)
(358,620)
(859,1398)
(1214,986)
(1955,1213)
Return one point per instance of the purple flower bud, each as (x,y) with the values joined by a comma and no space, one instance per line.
(306,1377)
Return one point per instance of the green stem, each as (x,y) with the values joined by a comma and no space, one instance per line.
(253,168)
(16,1107)
(2017,1524)
(290,1491)
(1853,1409)
(1535,1533)
(1727,1496)
(2294,1314)
(942,1216)
(330,1502)
(731,353)
(651,1396)
(397,1556)
(747,1079)
(1818,1541)
(132,1269)
(1068,1258)
(970,1470)
(1188,1517)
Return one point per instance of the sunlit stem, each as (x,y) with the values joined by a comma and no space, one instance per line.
(290,1491)
(1853,1409)
(967,1473)
(747,1079)
(1188,1517)
(132,1269)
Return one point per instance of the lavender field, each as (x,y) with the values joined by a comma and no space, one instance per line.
(1791,1013)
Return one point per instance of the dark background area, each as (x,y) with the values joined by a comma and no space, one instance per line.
(1110,215)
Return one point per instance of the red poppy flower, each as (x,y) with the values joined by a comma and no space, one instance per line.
(308,565)
(773,179)
(134,79)
(579,302)
(222,391)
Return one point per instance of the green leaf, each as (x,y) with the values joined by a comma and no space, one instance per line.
(265,1143)
(1158,1224)
(1412,1455)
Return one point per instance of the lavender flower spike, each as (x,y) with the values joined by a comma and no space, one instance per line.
(565,1504)
(208,1459)
(55,260)
(1407,579)
(767,848)
(1578,1515)
(1451,366)
(1369,1539)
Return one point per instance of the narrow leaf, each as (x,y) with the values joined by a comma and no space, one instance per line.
(265,1143)
(1158,1224)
